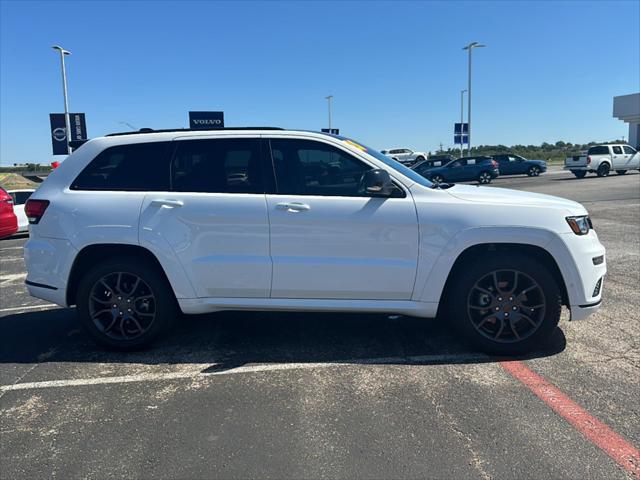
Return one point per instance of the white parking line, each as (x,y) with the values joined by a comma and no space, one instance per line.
(12,279)
(10,248)
(45,306)
(197,371)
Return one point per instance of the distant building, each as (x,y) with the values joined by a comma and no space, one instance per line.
(627,109)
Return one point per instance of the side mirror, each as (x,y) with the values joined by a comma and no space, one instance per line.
(377,183)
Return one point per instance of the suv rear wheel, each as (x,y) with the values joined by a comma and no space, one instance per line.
(484,178)
(505,303)
(603,170)
(534,171)
(437,179)
(125,303)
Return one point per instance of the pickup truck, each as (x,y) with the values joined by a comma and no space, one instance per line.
(601,159)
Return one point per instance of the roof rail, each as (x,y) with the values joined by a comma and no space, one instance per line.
(151,130)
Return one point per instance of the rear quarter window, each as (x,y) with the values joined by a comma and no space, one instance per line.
(134,167)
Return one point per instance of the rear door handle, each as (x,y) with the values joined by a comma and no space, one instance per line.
(293,206)
(161,202)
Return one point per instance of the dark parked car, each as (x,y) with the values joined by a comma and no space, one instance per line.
(432,162)
(510,164)
(465,169)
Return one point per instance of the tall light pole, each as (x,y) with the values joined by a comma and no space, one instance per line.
(329,98)
(67,122)
(470,47)
(462,92)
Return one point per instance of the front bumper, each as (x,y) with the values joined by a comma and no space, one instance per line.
(580,312)
(582,261)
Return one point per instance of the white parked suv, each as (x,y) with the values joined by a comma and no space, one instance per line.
(20,198)
(601,159)
(135,228)
(405,155)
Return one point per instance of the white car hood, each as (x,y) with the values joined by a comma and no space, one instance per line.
(503,196)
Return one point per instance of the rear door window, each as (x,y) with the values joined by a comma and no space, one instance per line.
(225,165)
(617,150)
(134,167)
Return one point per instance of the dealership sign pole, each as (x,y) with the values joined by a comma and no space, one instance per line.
(461,114)
(67,122)
(329,98)
(470,47)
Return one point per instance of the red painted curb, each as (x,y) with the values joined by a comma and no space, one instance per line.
(613,444)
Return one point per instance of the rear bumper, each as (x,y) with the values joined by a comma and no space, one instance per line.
(48,262)
(8,227)
(577,167)
(57,296)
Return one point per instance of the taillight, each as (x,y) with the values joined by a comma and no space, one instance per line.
(34,209)
(588,160)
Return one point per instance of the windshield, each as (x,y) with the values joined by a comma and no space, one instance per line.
(406,171)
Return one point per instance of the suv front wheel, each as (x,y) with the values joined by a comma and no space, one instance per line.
(125,303)
(505,303)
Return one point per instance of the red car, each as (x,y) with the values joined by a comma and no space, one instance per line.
(8,219)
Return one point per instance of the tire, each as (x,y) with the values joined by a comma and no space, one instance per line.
(437,179)
(621,172)
(580,173)
(475,287)
(153,306)
(603,170)
(484,178)
(419,159)
(533,171)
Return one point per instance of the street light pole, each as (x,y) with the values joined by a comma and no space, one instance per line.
(461,119)
(470,47)
(329,98)
(67,122)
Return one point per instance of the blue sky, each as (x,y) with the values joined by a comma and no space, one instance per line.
(549,71)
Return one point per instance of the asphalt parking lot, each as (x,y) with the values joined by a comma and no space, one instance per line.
(269,395)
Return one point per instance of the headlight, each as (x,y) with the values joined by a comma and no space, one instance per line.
(579,225)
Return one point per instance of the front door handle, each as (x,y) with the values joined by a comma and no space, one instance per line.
(293,206)
(161,202)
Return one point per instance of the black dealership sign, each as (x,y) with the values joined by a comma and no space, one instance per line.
(59,130)
(206,120)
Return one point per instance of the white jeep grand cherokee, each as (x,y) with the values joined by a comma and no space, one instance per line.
(134,228)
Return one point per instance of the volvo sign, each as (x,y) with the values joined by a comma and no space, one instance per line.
(59,131)
(206,120)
